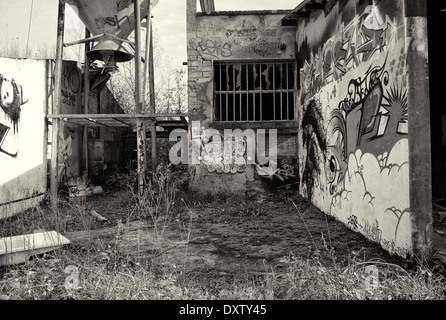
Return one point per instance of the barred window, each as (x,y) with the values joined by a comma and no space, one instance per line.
(254,91)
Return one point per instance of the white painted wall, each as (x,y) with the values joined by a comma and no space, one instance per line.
(23,176)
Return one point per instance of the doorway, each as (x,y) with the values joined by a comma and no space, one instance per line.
(436,20)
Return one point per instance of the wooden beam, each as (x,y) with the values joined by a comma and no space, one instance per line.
(54,179)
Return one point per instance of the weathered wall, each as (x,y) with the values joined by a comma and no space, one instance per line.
(22,134)
(70,134)
(234,36)
(353,90)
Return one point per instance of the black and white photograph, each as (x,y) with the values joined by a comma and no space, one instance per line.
(220,159)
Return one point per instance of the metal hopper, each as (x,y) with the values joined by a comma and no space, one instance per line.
(110,23)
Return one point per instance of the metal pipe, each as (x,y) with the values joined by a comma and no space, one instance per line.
(146,55)
(152,104)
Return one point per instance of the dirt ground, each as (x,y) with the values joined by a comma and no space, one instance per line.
(231,236)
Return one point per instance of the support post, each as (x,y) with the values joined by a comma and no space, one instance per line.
(140,123)
(420,173)
(86,111)
(149,77)
(54,175)
(152,104)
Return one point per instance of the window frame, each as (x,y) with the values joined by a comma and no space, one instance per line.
(289,92)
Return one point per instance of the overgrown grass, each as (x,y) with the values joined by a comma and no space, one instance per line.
(102,269)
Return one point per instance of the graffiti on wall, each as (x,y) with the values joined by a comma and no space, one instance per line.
(242,32)
(361,148)
(71,82)
(368,118)
(355,44)
(64,153)
(354,124)
(215,162)
(282,172)
(69,133)
(212,48)
(11,100)
(201,90)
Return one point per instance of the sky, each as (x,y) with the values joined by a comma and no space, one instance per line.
(32,23)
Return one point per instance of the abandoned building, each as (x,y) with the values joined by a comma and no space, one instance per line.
(342,91)
(347,84)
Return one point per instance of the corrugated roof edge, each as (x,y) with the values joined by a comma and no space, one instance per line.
(246,12)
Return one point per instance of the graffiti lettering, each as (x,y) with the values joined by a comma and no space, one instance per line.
(243,32)
(110,21)
(356,44)
(372,231)
(214,49)
(283,172)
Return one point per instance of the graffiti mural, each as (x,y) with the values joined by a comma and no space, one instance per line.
(354,126)
(367,119)
(356,43)
(11,100)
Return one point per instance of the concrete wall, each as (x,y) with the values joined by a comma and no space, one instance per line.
(70,134)
(356,109)
(22,134)
(234,36)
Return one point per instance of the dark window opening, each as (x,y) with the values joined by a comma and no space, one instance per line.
(254,91)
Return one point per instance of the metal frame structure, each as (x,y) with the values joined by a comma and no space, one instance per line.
(138,120)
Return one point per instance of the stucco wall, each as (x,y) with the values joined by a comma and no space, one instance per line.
(354,138)
(22,135)
(234,36)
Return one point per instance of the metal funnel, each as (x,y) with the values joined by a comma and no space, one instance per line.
(112,17)
(115,18)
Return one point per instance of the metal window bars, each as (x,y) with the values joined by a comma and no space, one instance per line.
(254,91)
